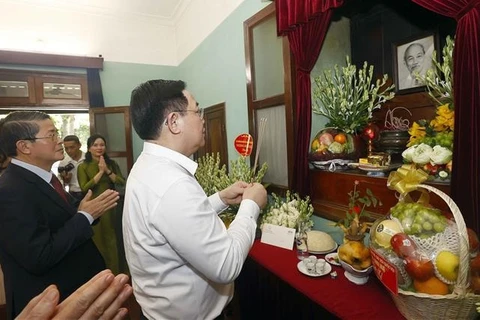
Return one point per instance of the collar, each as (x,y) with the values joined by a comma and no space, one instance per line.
(45,175)
(160,151)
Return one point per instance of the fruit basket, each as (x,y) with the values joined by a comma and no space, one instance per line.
(330,144)
(460,304)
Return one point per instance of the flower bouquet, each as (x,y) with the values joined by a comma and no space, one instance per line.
(289,211)
(213,177)
(346,96)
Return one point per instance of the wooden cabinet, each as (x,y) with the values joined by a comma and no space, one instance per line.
(25,89)
(329,193)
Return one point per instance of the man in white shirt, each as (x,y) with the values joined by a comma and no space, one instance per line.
(182,259)
(67,168)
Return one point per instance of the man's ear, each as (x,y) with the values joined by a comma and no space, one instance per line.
(23,146)
(172,123)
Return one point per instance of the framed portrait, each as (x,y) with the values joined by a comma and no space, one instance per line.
(412,57)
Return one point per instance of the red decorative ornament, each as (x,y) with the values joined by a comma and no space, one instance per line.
(244,144)
(370,133)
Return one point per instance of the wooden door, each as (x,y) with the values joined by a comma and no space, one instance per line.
(215,133)
(114,124)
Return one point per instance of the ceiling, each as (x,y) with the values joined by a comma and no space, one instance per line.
(164,12)
(158,32)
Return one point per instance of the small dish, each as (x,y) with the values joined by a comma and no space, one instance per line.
(301,267)
(326,251)
(332,258)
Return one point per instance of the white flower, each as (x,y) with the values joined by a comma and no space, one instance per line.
(421,154)
(408,154)
(440,155)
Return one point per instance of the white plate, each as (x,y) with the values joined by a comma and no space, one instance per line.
(301,267)
(332,259)
(372,168)
(326,251)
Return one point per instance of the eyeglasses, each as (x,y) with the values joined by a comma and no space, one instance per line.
(52,136)
(200,112)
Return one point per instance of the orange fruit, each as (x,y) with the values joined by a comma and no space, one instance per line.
(340,138)
(432,285)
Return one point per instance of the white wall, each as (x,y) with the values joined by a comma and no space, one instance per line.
(72,29)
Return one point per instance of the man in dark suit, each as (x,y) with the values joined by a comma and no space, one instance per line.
(44,239)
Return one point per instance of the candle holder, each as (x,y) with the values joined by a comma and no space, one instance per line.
(370,134)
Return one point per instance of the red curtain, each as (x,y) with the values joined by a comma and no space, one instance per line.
(305,23)
(465,184)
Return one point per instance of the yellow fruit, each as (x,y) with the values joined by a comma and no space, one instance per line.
(356,254)
(315,145)
(447,264)
(432,285)
(385,230)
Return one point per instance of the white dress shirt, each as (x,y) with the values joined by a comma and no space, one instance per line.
(182,259)
(73,185)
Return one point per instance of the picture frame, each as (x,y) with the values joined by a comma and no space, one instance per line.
(410,56)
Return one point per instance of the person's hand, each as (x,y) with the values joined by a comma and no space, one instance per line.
(233,194)
(102,165)
(101,297)
(96,207)
(257,193)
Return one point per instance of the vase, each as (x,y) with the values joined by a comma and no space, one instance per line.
(393,142)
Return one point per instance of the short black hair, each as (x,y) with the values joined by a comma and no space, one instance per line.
(71,137)
(19,125)
(151,102)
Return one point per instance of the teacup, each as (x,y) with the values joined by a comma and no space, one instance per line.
(320,266)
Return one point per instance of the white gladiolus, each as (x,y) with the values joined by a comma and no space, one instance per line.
(408,154)
(421,154)
(440,155)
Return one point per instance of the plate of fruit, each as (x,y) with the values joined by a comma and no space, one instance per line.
(332,258)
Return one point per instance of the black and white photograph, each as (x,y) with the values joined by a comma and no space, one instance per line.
(412,58)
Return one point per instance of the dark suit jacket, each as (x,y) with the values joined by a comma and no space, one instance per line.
(43,240)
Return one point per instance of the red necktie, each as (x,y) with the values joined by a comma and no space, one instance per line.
(58,187)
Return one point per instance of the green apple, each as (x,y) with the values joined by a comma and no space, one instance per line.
(447,264)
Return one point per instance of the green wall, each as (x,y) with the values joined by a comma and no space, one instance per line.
(215,70)
(118,81)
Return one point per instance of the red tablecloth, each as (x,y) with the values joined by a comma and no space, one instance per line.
(339,296)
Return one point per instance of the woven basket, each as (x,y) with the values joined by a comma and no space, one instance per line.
(457,305)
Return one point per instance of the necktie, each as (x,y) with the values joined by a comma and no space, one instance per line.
(58,187)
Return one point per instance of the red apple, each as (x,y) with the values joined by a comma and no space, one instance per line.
(473,241)
(403,245)
(419,268)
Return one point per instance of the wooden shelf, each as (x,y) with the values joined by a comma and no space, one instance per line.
(329,193)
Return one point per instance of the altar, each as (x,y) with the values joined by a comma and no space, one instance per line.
(271,287)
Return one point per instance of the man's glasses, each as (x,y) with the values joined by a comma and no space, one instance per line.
(200,112)
(54,136)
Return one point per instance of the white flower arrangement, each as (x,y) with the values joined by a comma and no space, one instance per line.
(289,212)
(436,161)
(347,96)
